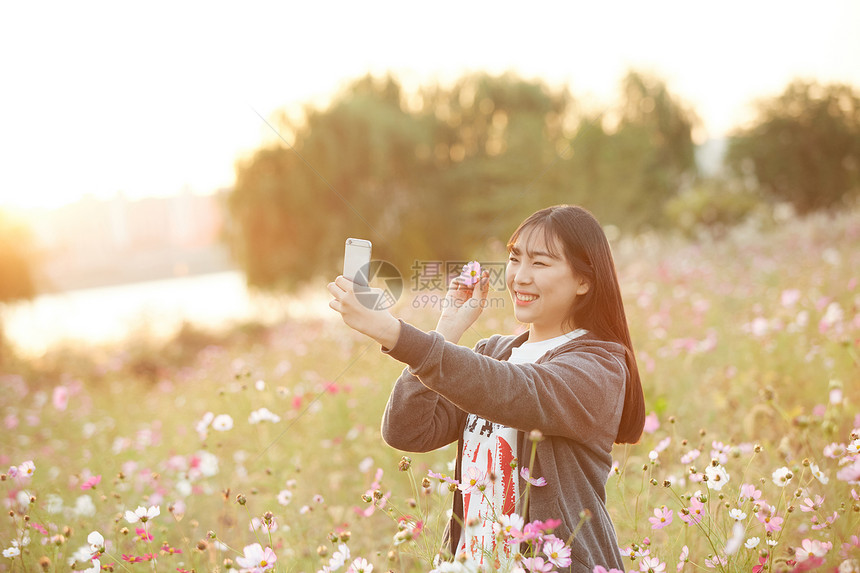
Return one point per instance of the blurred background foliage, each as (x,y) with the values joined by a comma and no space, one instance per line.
(446,173)
(804,147)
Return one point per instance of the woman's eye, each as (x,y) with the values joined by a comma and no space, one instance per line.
(512,259)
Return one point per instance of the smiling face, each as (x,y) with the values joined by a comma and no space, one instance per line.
(542,284)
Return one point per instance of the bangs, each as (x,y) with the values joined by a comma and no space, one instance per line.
(528,230)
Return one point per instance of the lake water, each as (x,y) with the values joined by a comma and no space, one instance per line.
(111,314)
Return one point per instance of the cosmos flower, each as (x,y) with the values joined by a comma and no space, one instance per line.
(471,273)
(142,514)
(662,518)
(257,559)
(539,482)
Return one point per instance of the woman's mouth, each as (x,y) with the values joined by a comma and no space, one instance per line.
(525,298)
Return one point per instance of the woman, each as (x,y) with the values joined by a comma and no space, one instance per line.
(572,377)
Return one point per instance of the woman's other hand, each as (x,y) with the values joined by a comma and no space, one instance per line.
(462,307)
(361,315)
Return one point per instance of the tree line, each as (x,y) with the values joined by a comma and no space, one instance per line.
(446,173)
(443,173)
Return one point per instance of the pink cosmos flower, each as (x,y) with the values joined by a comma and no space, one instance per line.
(60,398)
(749,493)
(360,565)
(652,423)
(829,521)
(442,477)
(537,565)
(27,469)
(810,505)
(811,548)
(475,482)
(771,522)
(539,482)
(508,524)
(471,273)
(557,552)
(853,542)
(684,557)
(695,512)
(256,559)
(91,482)
(662,518)
(652,565)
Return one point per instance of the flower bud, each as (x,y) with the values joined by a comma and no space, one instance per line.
(322,550)
(241,499)
(405,463)
(536,436)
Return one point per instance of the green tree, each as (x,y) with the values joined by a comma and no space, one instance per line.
(351,170)
(628,163)
(445,172)
(803,147)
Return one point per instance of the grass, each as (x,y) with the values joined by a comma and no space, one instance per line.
(748,348)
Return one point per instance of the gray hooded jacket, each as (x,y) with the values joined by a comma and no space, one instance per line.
(573,395)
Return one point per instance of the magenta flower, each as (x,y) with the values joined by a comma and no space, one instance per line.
(539,482)
(91,482)
(256,559)
(662,517)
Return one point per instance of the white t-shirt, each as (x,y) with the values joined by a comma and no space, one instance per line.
(488,450)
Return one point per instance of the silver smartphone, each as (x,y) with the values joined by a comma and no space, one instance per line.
(356,260)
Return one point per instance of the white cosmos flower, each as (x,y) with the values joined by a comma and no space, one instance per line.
(819,475)
(96,541)
(222,422)
(11,552)
(737,515)
(782,476)
(752,543)
(717,477)
(142,514)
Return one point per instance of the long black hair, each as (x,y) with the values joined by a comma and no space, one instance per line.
(600,310)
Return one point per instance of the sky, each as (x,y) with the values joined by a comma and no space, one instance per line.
(101,98)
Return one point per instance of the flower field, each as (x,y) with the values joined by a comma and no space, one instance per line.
(259,450)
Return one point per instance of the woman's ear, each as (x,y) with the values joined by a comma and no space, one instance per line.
(583,287)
